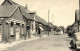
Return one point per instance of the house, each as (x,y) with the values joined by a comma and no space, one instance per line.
(37,24)
(40,23)
(12,25)
(32,23)
(25,15)
(51,28)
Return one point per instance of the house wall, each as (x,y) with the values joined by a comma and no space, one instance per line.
(17,15)
(5,36)
(15,32)
(32,27)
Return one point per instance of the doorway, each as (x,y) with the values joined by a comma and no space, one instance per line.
(0,32)
(17,31)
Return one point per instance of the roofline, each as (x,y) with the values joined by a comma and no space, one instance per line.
(5,1)
(14,10)
(11,2)
(32,12)
(4,17)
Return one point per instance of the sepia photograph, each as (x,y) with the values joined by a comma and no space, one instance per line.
(39,25)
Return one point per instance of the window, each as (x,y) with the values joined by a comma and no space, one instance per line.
(11,24)
(22,29)
(32,27)
(11,29)
(0,29)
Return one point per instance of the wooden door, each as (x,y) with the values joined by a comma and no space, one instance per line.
(0,33)
(17,32)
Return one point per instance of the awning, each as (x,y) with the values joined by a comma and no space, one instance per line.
(41,28)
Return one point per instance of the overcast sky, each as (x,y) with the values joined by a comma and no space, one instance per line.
(63,10)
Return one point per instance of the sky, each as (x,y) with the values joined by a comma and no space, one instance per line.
(63,11)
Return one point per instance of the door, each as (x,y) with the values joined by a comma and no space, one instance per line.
(17,32)
(79,27)
(0,33)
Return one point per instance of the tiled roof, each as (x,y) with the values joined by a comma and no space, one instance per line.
(30,16)
(13,2)
(50,24)
(7,11)
(40,20)
(22,8)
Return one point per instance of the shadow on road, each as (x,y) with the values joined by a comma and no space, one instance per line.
(72,49)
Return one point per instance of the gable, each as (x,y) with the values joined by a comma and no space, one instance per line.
(6,2)
(17,15)
(40,20)
(7,10)
(23,10)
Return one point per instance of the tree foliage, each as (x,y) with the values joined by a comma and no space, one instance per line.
(70,30)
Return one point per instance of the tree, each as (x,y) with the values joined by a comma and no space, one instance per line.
(62,28)
(70,30)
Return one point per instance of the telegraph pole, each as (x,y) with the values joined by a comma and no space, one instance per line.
(52,18)
(52,26)
(48,21)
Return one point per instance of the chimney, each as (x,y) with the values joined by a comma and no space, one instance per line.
(26,7)
(7,0)
(32,14)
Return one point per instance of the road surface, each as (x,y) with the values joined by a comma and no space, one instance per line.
(51,43)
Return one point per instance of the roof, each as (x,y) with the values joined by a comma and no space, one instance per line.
(30,16)
(11,2)
(39,19)
(77,14)
(22,8)
(50,24)
(7,11)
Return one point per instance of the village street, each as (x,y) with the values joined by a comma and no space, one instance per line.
(51,43)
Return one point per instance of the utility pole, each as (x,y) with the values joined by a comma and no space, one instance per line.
(52,19)
(48,21)
(52,26)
